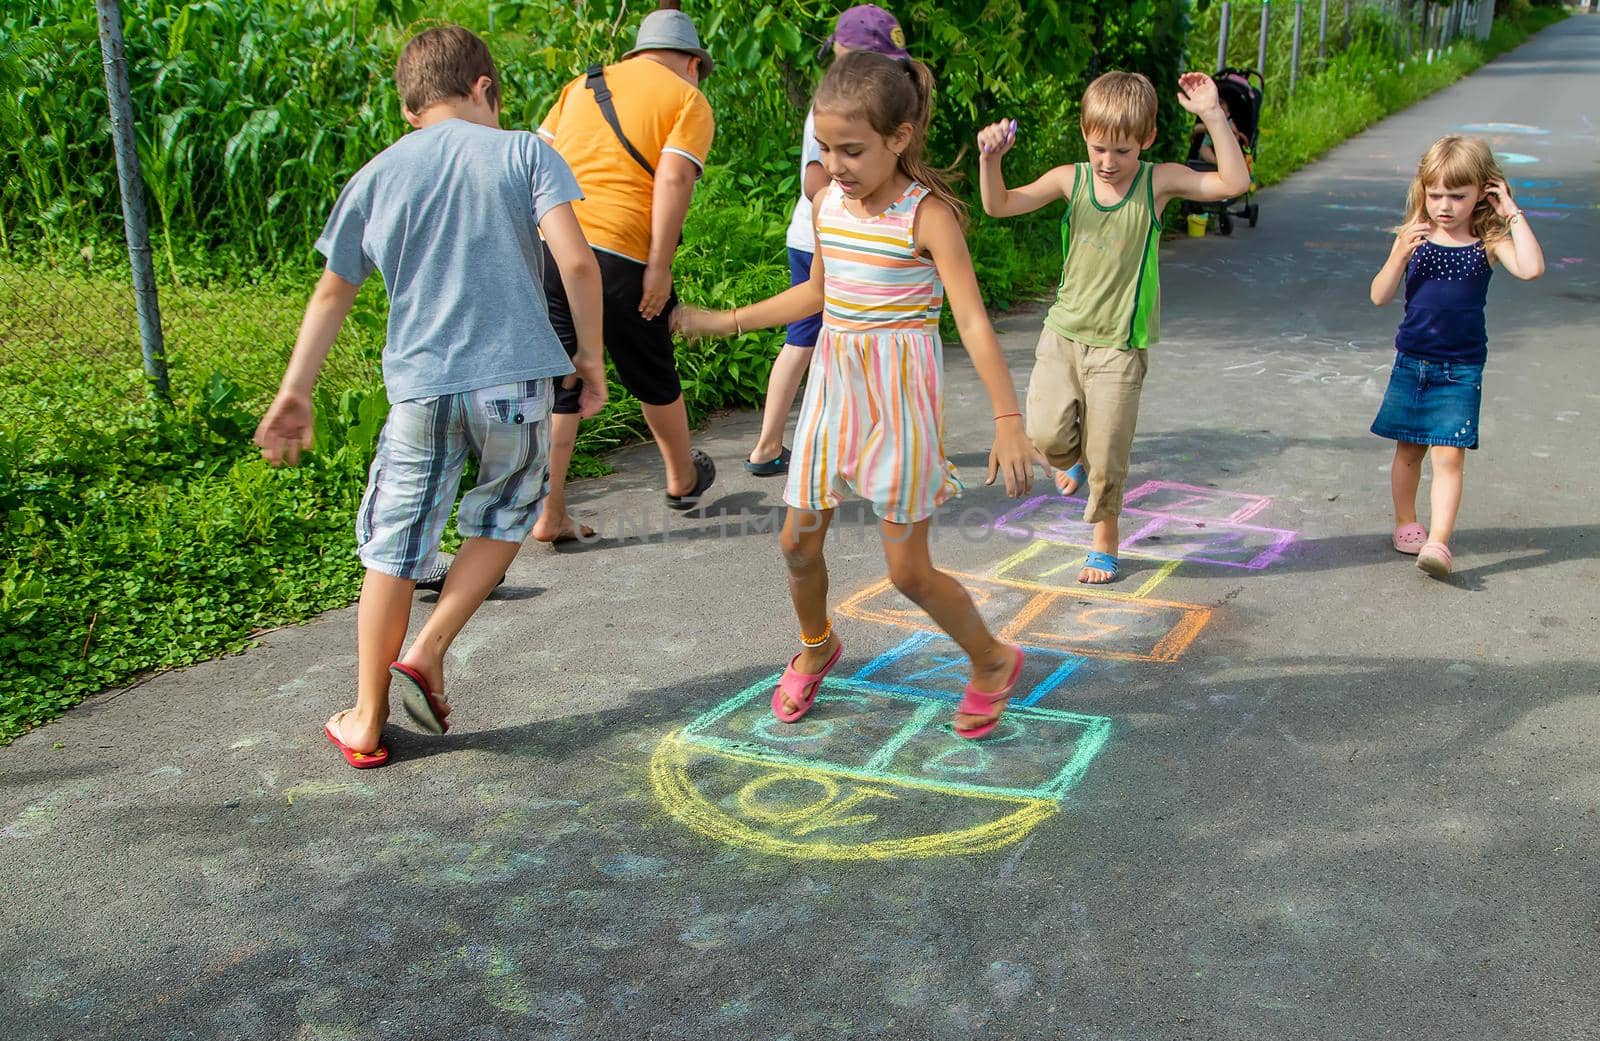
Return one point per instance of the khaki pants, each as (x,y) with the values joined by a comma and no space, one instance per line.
(1083,405)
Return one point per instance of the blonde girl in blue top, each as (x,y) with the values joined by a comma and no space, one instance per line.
(1460,221)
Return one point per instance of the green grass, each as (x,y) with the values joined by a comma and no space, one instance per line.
(135,539)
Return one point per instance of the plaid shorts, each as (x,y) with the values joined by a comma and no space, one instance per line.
(417,471)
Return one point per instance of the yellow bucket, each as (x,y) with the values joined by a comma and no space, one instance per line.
(1197,224)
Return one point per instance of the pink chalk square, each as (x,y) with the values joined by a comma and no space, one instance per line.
(1193,501)
(1163,536)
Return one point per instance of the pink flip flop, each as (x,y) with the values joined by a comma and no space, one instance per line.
(1435,559)
(976,702)
(801,687)
(420,703)
(1410,538)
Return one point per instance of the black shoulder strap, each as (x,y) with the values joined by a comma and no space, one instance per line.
(596,82)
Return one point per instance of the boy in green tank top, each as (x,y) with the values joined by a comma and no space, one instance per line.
(1083,396)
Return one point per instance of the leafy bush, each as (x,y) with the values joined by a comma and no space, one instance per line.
(135,538)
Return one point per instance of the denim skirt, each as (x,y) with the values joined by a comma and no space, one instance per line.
(1431,402)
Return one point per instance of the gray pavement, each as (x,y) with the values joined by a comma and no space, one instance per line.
(1287,787)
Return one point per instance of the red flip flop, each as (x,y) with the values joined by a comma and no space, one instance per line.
(976,702)
(359,760)
(420,702)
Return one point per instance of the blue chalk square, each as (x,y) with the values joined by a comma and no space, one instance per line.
(929,665)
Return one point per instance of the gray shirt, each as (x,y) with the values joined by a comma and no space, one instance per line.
(450,215)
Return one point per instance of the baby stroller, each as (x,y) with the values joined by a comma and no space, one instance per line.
(1240,91)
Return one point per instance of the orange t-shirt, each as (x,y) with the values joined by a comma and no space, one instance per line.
(659,113)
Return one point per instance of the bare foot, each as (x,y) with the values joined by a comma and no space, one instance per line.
(812,660)
(1106,540)
(1093,576)
(358,734)
(988,676)
(555,530)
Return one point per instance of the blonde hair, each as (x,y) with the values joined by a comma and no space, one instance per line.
(1459,162)
(1119,105)
(889,92)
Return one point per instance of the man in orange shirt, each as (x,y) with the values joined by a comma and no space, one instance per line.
(636,135)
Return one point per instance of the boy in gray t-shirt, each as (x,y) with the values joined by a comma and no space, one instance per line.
(451,215)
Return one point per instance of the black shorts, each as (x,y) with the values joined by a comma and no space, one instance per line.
(641,350)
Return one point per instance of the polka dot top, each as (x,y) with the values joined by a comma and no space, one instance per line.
(1445,291)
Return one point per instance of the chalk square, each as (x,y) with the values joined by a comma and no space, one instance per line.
(1054,518)
(1033,751)
(884,604)
(1100,627)
(1195,502)
(1055,566)
(844,728)
(1210,542)
(930,665)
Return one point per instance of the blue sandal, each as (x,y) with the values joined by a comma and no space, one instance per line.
(1080,477)
(1099,561)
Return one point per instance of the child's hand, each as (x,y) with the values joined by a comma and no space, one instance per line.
(1197,93)
(996,139)
(695,322)
(1409,239)
(1499,195)
(1012,455)
(591,369)
(286,428)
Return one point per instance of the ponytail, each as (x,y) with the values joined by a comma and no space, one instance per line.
(888,93)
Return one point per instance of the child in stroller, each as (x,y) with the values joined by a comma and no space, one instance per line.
(1240,91)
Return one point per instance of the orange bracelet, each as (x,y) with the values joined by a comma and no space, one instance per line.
(1008,415)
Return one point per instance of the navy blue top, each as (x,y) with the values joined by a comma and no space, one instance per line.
(1445,290)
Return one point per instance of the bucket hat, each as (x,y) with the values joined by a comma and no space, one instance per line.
(671,31)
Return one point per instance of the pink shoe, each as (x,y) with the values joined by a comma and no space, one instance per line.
(1410,538)
(976,702)
(1435,559)
(801,687)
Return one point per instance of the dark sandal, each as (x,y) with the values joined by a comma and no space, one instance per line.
(705,473)
(772,467)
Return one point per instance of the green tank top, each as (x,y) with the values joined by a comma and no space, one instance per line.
(1109,295)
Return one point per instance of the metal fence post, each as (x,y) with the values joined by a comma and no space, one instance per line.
(1322,34)
(135,226)
(1294,53)
(1261,50)
(1222,35)
(1347,24)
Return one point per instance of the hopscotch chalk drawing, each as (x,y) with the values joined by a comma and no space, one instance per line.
(874,772)
(871,774)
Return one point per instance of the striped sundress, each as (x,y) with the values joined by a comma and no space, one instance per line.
(872,422)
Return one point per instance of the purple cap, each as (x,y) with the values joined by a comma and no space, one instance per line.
(868,27)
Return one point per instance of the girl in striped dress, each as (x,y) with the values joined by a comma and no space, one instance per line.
(889,246)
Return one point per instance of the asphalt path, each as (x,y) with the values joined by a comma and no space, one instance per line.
(1277,784)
